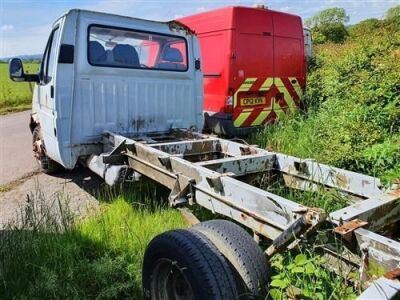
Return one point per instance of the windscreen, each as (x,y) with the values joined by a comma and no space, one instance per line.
(126,48)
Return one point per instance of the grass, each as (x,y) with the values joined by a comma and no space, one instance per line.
(329,200)
(352,122)
(303,276)
(49,253)
(15,96)
(353,107)
(53,255)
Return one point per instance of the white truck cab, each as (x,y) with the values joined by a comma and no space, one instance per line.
(103,72)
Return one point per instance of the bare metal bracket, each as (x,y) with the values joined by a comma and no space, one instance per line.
(115,156)
(182,191)
(346,230)
(166,162)
(310,220)
(216,183)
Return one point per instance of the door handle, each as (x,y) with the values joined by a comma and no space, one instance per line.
(52,91)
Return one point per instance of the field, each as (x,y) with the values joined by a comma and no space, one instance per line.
(352,121)
(15,96)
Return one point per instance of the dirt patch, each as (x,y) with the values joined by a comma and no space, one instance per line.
(80,186)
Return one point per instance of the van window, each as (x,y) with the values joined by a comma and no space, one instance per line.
(49,57)
(125,48)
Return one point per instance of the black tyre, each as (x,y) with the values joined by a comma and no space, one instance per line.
(243,253)
(184,264)
(47,165)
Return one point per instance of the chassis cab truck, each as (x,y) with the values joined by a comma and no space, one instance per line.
(254,66)
(123,96)
(105,77)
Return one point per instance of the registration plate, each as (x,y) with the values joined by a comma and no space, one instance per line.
(251,101)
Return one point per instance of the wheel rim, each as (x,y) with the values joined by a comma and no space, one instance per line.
(169,282)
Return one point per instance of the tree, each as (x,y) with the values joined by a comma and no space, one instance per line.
(393,12)
(365,27)
(328,25)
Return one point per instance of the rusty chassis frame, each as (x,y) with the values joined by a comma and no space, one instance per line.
(204,170)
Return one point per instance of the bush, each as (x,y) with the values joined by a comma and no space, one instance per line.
(328,26)
(353,100)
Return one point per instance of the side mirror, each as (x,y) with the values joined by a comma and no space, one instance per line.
(16,70)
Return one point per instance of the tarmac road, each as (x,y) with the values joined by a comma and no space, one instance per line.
(16,156)
(20,179)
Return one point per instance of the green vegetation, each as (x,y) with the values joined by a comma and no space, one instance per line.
(353,105)
(352,121)
(15,96)
(328,26)
(50,254)
(55,257)
(393,13)
(329,200)
(303,277)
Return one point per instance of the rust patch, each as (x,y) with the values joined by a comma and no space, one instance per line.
(175,25)
(247,151)
(393,274)
(365,182)
(341,180)
(346,229)
(395,193)
(350,226)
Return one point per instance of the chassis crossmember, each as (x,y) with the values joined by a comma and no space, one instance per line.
(222,176)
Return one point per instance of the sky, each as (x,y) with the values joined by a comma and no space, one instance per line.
(26,24)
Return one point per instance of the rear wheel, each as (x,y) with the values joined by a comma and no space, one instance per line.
(243,253)
(184,264)
(47,165)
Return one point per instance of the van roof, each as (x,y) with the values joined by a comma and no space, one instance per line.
(173,23)
(222,18)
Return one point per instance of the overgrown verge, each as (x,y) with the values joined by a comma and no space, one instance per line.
(353,122)
(51,255)
(353,101)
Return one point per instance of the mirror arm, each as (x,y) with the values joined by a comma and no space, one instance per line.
(32,77)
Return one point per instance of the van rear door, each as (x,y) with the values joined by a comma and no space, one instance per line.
(253,44)
(289,63)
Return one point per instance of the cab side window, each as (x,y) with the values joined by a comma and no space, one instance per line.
(49,58)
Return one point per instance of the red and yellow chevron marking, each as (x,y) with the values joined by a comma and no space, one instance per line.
(251,116)
(290,91)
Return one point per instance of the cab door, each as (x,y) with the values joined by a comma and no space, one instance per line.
(46,93)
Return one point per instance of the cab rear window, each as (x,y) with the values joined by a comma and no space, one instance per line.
(126,48)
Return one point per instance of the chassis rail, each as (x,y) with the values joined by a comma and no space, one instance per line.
(208,171)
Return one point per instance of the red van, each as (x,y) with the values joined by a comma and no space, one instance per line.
(254,66)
